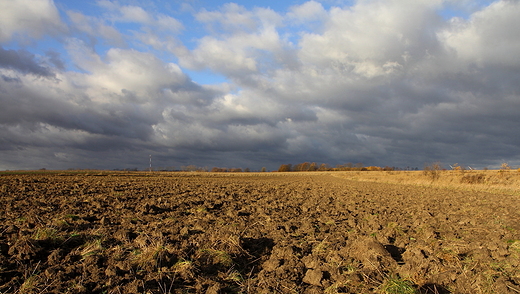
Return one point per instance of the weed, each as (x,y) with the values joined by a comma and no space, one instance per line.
(397,285)
(331,289)
(234,276)
(182,265)
(151,252)
(71,217)
(93,247)
(33,283)
(30,284)
(218,256)
(331,223)
(348,269)
(514,248)
(321,247)
(49,234)
(74,234)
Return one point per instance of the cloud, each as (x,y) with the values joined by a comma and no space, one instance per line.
(246,46)
(54,58)
(377,82)
(231,17)
(372,37)
(134,14)
(487,38)
(23,61)
(307,12)
(95,28)
(28,18)
(123,96)
(169,23)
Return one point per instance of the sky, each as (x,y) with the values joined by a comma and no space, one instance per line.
(251,84)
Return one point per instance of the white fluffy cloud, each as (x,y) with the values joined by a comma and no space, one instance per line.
(309,11)
(29,19)
(243,45)
(489,37)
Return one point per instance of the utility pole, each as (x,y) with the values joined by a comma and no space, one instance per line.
(150,162)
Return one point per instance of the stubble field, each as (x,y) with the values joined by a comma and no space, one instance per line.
(114,232)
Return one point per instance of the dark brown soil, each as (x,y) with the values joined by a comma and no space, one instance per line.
(251,233)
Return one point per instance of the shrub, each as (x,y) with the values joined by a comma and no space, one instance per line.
(473,179)
(432,171)
(505,166)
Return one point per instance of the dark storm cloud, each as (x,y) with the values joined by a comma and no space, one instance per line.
(23,62)
(55,59)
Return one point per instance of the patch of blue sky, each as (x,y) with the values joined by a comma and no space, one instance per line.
(278,6)
(205,77)
(84,7)
(463,9)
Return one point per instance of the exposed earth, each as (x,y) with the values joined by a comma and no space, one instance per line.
(102,232)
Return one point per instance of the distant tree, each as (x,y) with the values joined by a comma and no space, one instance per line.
(324,167)
(189,168)
(247,170)
(285,168)
(505,166)
(313,166)
(263,169)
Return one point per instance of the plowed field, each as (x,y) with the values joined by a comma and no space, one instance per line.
(251,233)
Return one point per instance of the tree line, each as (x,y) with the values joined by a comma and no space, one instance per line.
(313,166)
(300,167)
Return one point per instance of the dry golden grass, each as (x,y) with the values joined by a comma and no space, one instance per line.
(492,181)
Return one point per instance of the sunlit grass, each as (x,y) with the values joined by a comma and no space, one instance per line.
(492,181)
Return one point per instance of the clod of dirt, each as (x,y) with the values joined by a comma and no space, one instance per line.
(371,253)
(313,277)
(271,264)
(311,262)
(417,261)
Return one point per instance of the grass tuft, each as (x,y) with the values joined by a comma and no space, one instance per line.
(397,285)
